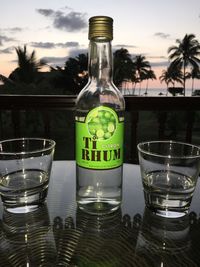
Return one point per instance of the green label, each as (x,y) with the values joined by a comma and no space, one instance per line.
(99,139)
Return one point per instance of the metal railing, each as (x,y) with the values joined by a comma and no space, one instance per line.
(17,105)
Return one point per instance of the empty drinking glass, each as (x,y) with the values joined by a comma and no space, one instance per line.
(25,166)
(169,172)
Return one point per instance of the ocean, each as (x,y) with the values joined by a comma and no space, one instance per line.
(153,92)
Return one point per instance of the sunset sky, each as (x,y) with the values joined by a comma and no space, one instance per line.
(58,29)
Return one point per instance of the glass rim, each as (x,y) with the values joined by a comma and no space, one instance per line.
(51,145)
(168,142)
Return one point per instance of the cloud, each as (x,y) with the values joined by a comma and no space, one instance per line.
(7,50)
(157,57)
(162,35)
(160,64)
(45,12)
(67,7)
(14,29)
(76,52)
(72,21)
(55,61)
(4,38)
(50,45)
(118,46)
(47,45)
(60,61)
(68,44)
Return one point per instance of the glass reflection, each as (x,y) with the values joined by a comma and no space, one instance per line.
(27,239)
(112,240)
(164,242)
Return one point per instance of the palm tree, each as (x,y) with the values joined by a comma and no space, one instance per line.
(76,70)
(73,77)
(167,78)
(142,67)
(195,74)
(82,78)
(6,80)
(172,75)
(176,73)
(149,75)
(186,53)
(123,66)
(28,66)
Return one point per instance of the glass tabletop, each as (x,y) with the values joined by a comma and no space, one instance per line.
(59,234)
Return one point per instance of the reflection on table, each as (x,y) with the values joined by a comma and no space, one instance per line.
(60,234)
(27,239)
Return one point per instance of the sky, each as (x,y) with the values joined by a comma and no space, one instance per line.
(58,29)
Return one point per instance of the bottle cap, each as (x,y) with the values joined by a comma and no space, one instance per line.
(100,26)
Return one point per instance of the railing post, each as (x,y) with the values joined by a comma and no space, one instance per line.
(1,125)
(15,115)
(47,126)
(162,118)
(190,118)
(134,125)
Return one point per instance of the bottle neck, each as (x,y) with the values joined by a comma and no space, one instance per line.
(100,61)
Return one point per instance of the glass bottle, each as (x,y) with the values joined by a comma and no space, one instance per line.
(99,127)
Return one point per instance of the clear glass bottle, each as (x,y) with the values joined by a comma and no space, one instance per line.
(99,127)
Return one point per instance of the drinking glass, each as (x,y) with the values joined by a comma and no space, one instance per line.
(25,166)
(169,171)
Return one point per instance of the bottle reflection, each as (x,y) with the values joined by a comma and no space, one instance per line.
(97,241)
(164,242)
(27,239)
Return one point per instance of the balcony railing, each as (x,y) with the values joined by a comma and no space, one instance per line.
(14,108)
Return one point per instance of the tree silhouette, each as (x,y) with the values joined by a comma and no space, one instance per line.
(186,53)
(123,66)
(148,75)
(28,66)
(142,66)
(74,76)
(172,75)
(166,77)
(195,74)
